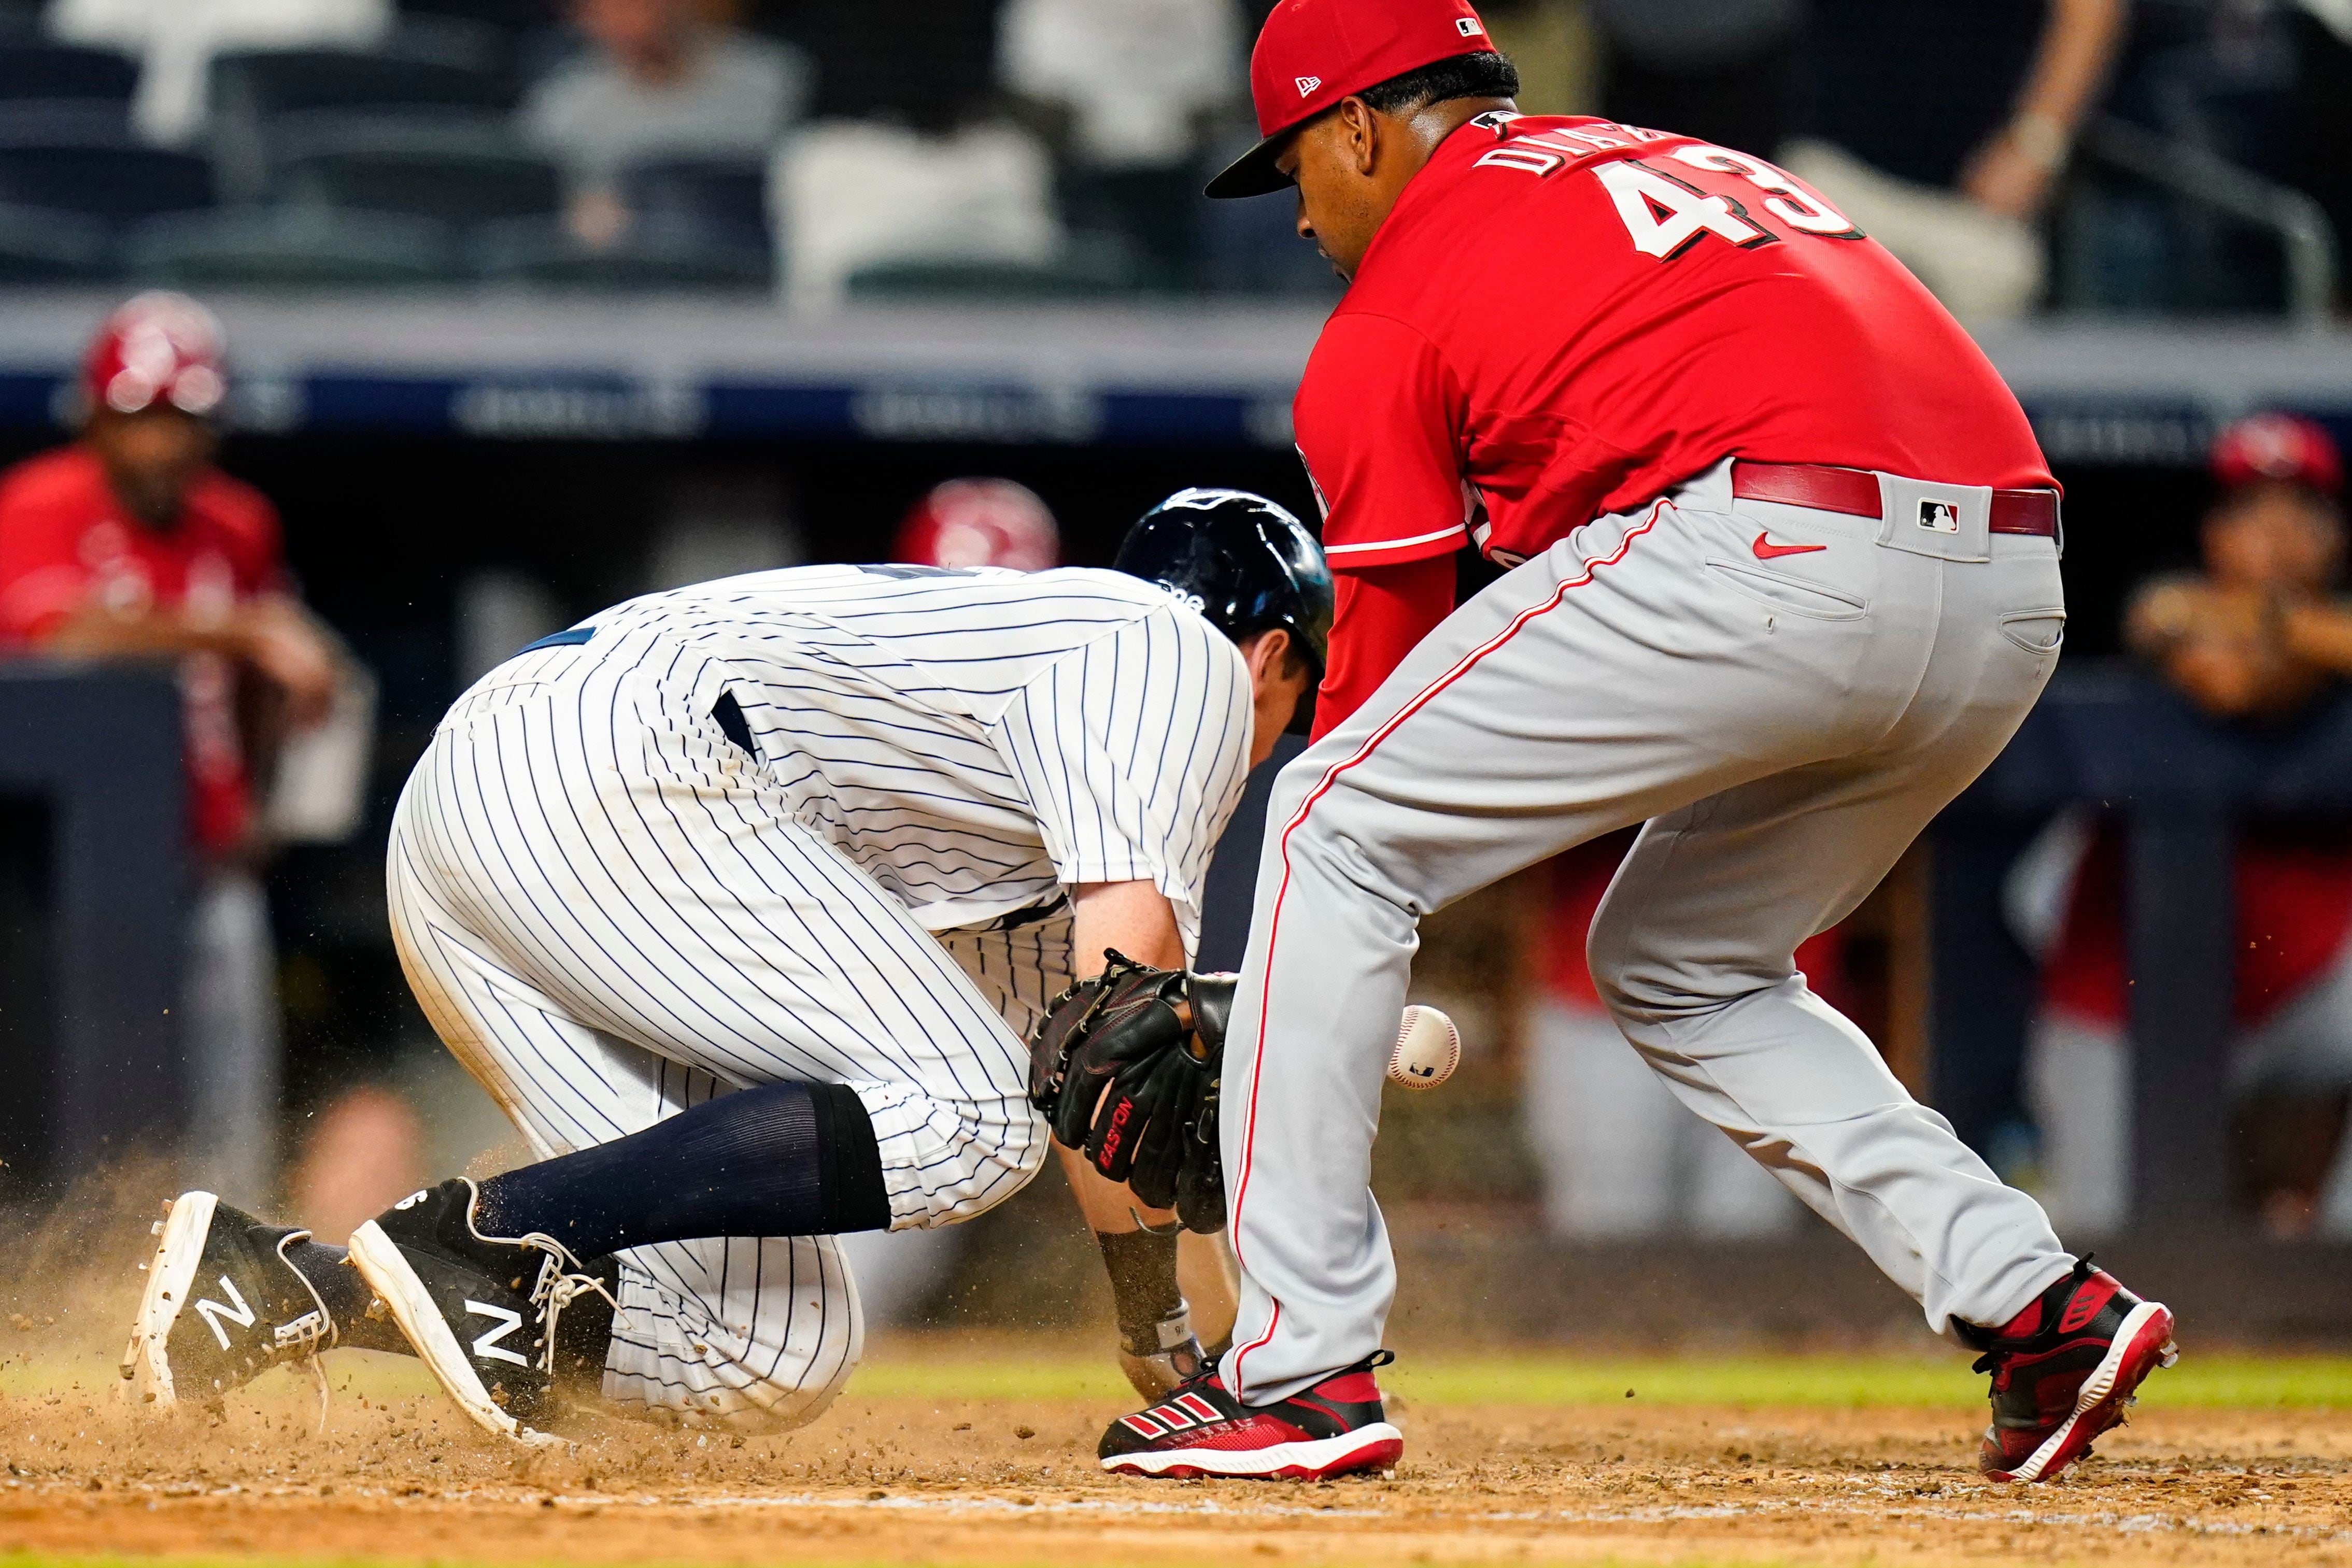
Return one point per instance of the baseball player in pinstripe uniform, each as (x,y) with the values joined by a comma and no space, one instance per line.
(740,900)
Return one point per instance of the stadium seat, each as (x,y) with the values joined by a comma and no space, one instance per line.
(292,246)
(1253,247)
(864,198)
(116,180)
(1152,213)
(42,246)
(1083,275)
(41,70)
(654,254)
(458,174)
(263,102)
(726,201)
(65,121)
(266,84)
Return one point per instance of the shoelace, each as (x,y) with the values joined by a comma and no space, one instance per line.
(312,1333)
(562,1281)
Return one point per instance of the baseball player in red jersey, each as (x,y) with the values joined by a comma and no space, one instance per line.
(1784,580)
(130,544)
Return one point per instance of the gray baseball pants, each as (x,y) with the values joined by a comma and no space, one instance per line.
(1785,722)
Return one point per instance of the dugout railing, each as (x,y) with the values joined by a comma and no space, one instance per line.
(91,775)
(2116,738)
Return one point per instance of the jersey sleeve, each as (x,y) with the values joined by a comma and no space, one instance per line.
(42,575)
(1379,615)
(1378,418)
(249,531)
(1133,750)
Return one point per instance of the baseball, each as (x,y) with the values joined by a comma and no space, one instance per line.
(1428,1049)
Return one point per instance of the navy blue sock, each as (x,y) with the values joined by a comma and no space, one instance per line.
(784,1159)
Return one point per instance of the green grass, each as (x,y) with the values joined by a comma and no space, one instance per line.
(1555,1377)
(908,1368)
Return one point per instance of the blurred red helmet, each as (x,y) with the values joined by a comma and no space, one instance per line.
(980,522)
(2278,448)
(157,347)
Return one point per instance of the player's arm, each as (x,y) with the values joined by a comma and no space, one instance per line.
(1162,1282)
(1378,614)
(1136,919)
(274,634)
(2012,174)
(2207,644)
(2319,631)
(1378,418)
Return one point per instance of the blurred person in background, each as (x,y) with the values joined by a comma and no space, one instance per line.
(1716,69)
(2258,637)
(980,522)
(1131,86)
(175,42)
(660,78)
(129,543)
(1622,1159)
(1941,130)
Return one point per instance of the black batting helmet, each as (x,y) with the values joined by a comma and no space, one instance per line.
(1242,561)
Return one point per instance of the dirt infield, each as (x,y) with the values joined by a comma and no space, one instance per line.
(1008,1476)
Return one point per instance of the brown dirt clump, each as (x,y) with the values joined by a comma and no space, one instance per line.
(946,1481)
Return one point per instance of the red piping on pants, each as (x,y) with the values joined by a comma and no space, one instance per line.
(1330,776)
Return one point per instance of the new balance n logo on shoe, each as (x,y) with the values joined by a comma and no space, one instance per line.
(486,1345)
(213,1312)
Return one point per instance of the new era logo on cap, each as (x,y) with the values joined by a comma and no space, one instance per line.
(1309,84)
(1467,26)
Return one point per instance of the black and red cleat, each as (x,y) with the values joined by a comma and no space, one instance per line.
(1334,1428)
(2064,1369)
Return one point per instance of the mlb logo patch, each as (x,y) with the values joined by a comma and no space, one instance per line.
(1309,84)
(1939,517)
(1468,27)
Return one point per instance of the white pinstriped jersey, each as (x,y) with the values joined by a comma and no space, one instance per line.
(977,740)
(611,911)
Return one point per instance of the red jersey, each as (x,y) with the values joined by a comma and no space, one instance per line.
(2294,899)
(1564,317)
(65,540)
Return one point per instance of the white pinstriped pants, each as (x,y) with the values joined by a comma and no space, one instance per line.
(608,915)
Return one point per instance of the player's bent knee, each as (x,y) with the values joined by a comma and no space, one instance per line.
(1641,981)
(849,1163)
(946,1162)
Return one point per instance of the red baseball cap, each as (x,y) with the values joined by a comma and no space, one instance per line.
(2282,448)
(980,522)
(157,347)
(1313,53)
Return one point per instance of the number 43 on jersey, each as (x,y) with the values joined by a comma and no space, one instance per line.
(1665,216)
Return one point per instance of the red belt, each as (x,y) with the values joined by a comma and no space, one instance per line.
(1854,491)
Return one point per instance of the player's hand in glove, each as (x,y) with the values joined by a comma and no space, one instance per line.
(1125,1067)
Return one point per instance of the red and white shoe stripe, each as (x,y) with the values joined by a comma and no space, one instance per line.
(1375,1446)
(1185,1411)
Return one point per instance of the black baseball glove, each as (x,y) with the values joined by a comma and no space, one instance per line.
(1125,1066)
